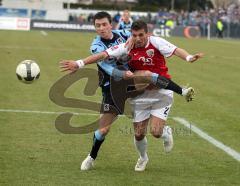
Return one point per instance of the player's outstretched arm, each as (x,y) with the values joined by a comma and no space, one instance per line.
(183,54)
(72,66)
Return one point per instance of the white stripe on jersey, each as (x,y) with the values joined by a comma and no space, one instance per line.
(117,50)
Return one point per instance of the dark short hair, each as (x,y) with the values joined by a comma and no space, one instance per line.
(101,15)
(138,25)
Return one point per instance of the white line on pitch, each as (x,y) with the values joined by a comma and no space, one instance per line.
(43,33)
(33,48)
(220,145)
(184,122)
(43,112)
(50,112)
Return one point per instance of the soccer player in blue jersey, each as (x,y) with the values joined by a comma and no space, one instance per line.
(106,38)
(125,22)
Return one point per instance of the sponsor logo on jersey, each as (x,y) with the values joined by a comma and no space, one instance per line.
(135,54)
(146,61)
(94,50)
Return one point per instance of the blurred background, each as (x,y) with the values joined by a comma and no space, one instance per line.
(189,18)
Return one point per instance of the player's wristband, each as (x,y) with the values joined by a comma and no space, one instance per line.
(80,63)
(189,58)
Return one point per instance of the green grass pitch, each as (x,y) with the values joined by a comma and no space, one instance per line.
(34,152)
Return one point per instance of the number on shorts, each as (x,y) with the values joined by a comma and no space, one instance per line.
(166,111)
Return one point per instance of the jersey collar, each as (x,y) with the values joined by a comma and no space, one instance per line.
(148,42)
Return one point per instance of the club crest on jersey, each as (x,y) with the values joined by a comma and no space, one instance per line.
(150,53)
(119,40)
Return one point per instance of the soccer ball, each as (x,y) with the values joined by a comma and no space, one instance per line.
(27,71)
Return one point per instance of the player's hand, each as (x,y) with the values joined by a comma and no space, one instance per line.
(68,65)
(128,75)
(129,44)
(195,57)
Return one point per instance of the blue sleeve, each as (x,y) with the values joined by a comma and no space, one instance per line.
(108,68)
(96,48)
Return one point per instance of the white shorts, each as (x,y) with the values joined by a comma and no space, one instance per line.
(152,102)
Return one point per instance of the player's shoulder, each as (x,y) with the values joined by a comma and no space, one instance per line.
(97,45)
(96,40)
(156,39)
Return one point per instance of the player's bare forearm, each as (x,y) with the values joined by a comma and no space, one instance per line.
(72,66)
(95,58)
(183,54)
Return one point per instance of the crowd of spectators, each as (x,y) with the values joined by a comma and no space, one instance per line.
(184,18)
(201,18)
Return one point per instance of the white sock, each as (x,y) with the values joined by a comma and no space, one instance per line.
(166,132)
(141,147)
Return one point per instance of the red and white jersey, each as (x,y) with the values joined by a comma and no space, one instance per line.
(151,57)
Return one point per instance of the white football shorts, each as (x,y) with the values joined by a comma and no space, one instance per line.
(152,102)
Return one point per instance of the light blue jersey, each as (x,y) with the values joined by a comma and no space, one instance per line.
(99,45)
(125,26)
